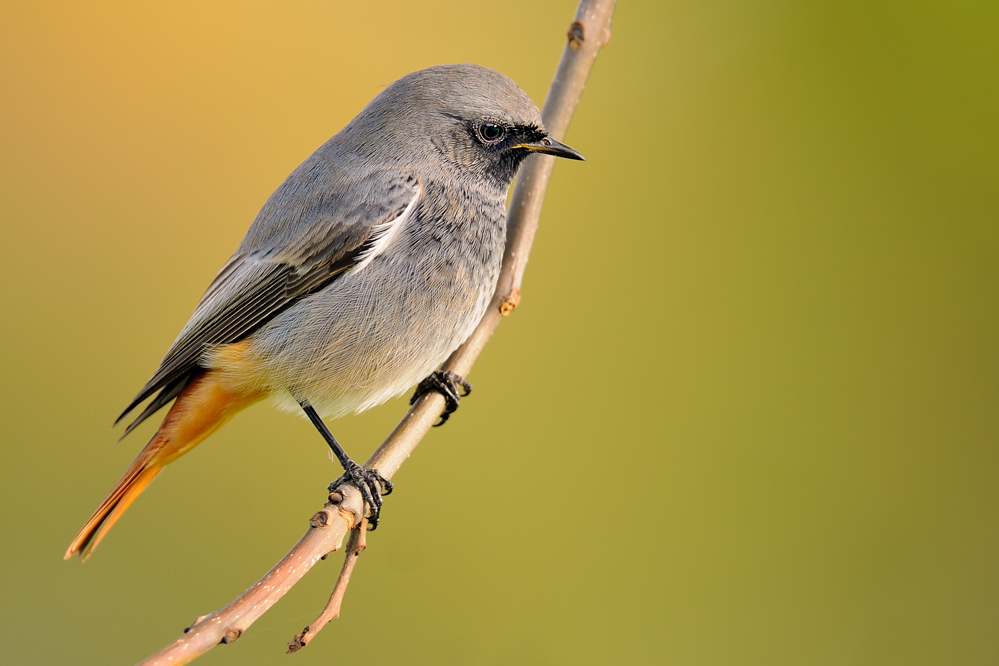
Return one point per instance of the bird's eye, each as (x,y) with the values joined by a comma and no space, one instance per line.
(491,132)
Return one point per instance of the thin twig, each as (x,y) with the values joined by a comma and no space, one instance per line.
(358,542)
(344,511)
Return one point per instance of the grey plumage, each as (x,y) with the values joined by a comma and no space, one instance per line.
(329,320)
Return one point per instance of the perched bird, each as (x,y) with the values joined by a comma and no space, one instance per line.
(370,264)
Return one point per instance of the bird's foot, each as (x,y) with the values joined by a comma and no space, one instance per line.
(446,383)
(373,487)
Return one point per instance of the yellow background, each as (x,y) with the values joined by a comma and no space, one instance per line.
(747,410)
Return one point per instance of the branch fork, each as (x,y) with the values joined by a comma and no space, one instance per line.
(355,546)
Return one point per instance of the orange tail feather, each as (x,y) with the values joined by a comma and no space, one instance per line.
(201,409)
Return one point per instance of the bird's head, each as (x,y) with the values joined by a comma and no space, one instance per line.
(463,116)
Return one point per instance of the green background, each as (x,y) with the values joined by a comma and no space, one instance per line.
(745,414)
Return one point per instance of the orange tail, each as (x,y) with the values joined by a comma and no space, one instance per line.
(201,408)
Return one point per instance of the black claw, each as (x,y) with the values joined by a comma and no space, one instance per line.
(371,484)
(446,383)
(373,487)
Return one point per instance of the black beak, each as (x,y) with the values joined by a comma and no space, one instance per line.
(550,146)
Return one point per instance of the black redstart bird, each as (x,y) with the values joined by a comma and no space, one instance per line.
(368,266)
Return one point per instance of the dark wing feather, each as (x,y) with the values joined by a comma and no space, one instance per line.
(168,393)
(273,269)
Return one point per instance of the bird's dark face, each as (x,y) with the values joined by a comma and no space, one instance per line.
(492,148)
(503,144)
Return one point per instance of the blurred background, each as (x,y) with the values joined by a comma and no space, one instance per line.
(745,414)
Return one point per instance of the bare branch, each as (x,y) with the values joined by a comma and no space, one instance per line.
(325,535)
(343,512)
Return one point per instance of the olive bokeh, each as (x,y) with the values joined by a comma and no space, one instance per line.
(746,412)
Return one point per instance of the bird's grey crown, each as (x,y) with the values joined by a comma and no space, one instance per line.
(465,91)
(433,113)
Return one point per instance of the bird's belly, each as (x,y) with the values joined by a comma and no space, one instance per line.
(368,337)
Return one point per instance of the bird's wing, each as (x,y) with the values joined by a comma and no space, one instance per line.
(304,238)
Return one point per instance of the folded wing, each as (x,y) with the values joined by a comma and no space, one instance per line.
(304,238)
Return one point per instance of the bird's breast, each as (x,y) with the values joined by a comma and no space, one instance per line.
(375,332)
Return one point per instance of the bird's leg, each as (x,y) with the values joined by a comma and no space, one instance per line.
(446,383)
(371,484)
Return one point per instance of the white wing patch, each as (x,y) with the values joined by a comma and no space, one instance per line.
(383,234)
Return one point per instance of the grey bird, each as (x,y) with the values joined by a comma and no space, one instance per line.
(370,264)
